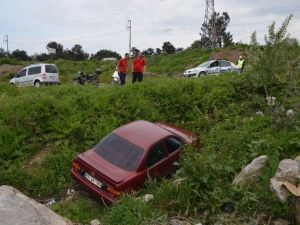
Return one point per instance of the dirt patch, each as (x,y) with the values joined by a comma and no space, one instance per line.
(36,160)
(231,55)
(6,69)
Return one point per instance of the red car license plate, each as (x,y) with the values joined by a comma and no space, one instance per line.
(93,180)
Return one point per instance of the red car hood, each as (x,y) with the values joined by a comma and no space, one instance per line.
(101,167)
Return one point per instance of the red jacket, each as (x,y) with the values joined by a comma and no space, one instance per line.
(139,65)
(123,65)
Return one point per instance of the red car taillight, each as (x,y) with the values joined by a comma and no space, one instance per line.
(76,166)
(114,191)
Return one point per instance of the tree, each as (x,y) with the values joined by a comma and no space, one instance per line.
(41,57)
(20,55)
(77,53)
(149,52)
(105,54)
(277,64)
(223,37)
(197,44)
(2,52)
(168,48)
(134,51)
(227,39)
(179,49)
(158,51)
(59,49)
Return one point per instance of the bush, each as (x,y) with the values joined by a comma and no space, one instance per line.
(10,61)
(275,67)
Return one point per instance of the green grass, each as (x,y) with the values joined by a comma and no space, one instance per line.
(65,120)
(43,129)
(176,64)
(80,209)
(10,61)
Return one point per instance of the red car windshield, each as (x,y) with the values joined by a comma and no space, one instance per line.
(119,152)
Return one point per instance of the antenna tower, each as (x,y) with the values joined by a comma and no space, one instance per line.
(209,36)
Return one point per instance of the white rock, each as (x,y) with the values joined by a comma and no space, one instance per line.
(288,170)
(297,159)
(251,172)
(218,223)
(70,191)
(281,222)
(95,222)
(259,113)
(280,193)
(18,209)
(179,222)
(271,100)
(148,197)
(290,113)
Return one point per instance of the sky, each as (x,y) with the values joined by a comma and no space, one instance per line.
(101,24)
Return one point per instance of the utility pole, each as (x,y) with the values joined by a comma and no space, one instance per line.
(129,28)
(6,42)
(209,35)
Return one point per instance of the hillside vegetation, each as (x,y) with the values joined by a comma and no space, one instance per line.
(43,129)
(165,64)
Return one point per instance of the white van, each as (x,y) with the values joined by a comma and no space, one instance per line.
(36,75)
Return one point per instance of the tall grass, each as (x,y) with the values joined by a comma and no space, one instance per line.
(10,61)
(62,121)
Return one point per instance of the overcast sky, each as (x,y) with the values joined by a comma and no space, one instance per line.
(101,24)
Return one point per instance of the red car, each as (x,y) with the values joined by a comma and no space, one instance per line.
(124,159)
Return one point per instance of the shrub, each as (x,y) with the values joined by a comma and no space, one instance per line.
(276,65)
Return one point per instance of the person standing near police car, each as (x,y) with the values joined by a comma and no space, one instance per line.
(138,68)
(241,64)
(122,68)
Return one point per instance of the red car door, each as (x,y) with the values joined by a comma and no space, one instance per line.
(154,165)
(170,148)
(157,161)
(173,146)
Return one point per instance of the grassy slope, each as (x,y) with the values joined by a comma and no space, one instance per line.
(171,65)
(62,121)
(160,65)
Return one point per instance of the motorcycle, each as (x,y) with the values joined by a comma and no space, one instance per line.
(82,78)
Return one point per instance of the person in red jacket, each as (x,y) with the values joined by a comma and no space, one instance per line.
(138,68)
(123,68)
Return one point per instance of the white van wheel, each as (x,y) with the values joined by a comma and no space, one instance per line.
(37,83)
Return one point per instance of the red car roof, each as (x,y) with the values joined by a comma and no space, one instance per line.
(142,133)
